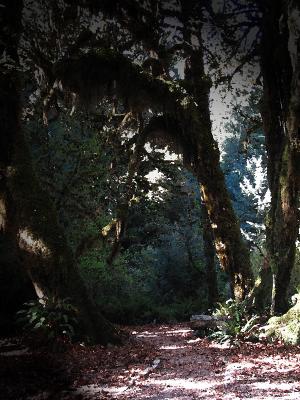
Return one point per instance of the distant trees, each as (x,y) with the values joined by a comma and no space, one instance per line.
(159,269)
(244,163)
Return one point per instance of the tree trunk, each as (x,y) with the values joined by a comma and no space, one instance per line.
(209,255)
(231,250)
(280,113)
(46,256)
(124,203)
(27,218)
(15,287)
(261,294)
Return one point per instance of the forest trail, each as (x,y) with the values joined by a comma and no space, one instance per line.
(158,362)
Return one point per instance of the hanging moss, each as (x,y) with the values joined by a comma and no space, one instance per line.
(186,126)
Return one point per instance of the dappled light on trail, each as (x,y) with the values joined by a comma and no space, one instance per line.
(172,347)
(194,368)
(160,362)
(183,383)
(163,330)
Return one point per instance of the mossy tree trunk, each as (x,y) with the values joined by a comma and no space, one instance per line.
(231,250)
(27,218)
(261,295)
(209,255)
(281,112)
(230,247)
(15,286)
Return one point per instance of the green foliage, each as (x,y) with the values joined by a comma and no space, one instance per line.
(51,318)
(72,163)
(237,323)
(159,273)
(118,291)
(180,310)
(135,289)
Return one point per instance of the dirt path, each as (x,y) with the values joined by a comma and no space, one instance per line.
(159,362)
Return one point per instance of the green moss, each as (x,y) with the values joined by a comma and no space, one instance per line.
(287,326)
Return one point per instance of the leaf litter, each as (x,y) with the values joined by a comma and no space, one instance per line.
(157,362)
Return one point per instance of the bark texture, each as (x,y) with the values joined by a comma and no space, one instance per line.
(209,254)
(231,250)
(280,113)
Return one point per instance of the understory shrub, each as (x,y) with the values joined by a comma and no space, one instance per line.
(134,292)
(52,319)
(122,294)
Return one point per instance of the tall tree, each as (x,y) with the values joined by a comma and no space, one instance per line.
(27,215)
(281,118)
(267,33)
(13,279)
(231,250)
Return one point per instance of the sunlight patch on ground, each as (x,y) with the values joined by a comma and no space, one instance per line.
(216,345)
(175,331)
(146,335)
(235,378)
(170,332)
(284,386)
(89,390)
(194,340)
(178,331)
(279,363)
(182,383)
(172,347)
(265,396)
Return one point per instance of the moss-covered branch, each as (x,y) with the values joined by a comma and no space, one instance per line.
(186,124)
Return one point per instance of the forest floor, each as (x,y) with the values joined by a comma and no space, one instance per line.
(157,362)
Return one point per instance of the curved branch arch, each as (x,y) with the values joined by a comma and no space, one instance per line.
(181,122)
